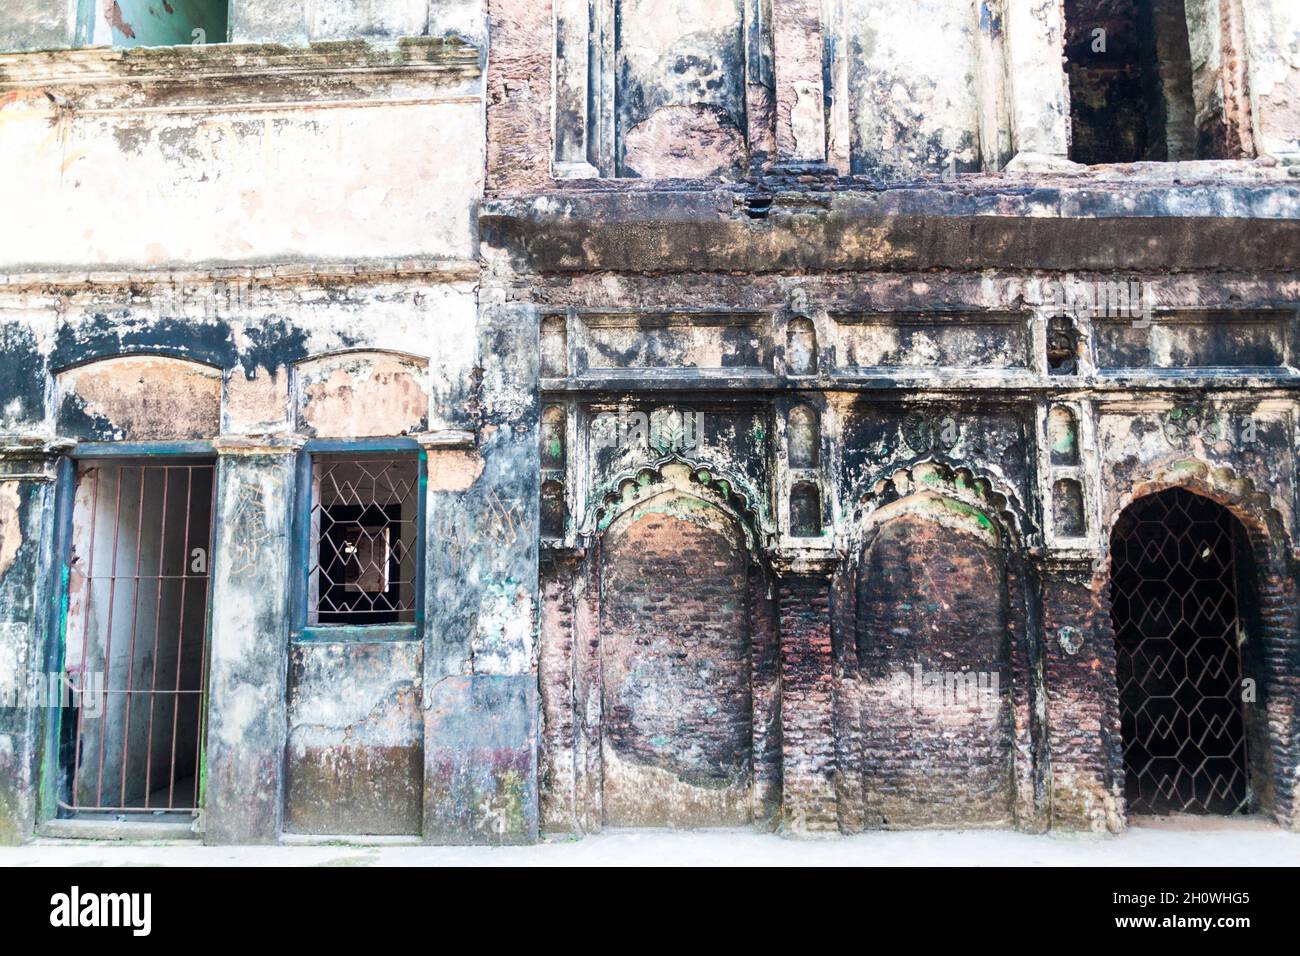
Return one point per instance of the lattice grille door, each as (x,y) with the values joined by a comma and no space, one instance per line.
(1174,608)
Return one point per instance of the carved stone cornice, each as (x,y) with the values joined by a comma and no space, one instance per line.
(1076,563)
(806,562)
(231,76)
(990,223)
(31,457)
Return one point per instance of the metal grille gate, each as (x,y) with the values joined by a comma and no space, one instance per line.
(135,649)
(1178,664)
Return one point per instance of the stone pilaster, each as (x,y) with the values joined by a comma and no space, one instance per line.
(1086,750)
(249,640)
(797,43)
(28,623)
(480,683)
(1039,96)
(809,802)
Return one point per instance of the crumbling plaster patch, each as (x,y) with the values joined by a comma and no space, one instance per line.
(453,470)
(1273,58)
(186,171)
(11,531)
(355,395)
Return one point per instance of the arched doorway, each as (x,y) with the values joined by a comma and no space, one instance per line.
(1179,565)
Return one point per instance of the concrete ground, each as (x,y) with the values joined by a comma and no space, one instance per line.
(1163,843)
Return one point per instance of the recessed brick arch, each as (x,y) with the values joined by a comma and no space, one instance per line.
(660,679)
(935,676)
(692,477)
(1271,608)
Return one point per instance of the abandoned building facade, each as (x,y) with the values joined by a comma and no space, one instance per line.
(473,419)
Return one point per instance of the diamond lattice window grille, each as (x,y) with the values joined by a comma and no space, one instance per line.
(363,548)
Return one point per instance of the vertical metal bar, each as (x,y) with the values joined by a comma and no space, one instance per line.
(180,638)
(304,545)
(421,519)
(157,629)
(108,644)
(85,632)
(130,653)
(203,655)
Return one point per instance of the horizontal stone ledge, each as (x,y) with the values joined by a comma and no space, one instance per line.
(17,447)
(447,438)
(947,379)
(241,63)
(265,444)
(1085,227)
(267,274)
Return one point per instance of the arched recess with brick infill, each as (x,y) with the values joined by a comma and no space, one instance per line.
(659,662)
(1270,623)
(935,658)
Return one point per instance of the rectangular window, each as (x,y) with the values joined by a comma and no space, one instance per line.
(363,553)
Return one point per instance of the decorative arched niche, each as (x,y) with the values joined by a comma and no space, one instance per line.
(801,347)
(665,666)
(931,720)
(360,394)
(139,398)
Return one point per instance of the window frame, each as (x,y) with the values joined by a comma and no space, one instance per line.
(300,632)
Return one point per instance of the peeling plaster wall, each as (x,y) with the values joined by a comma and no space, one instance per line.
(35,25)
(213,171)
(296,21)
(243,336)
(680,88)
(355,758)
(140,398)
(26,500)
(272,245)
(912,109)
(356,394)
(1272,33)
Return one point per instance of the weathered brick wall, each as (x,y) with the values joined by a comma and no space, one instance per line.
(659,670)
(807,688)
(675,660)
(932,599)
(765,676)
(1082,700)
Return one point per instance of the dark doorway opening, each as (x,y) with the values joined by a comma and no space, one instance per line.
(135,644)
(1131,85)
(1179,565)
